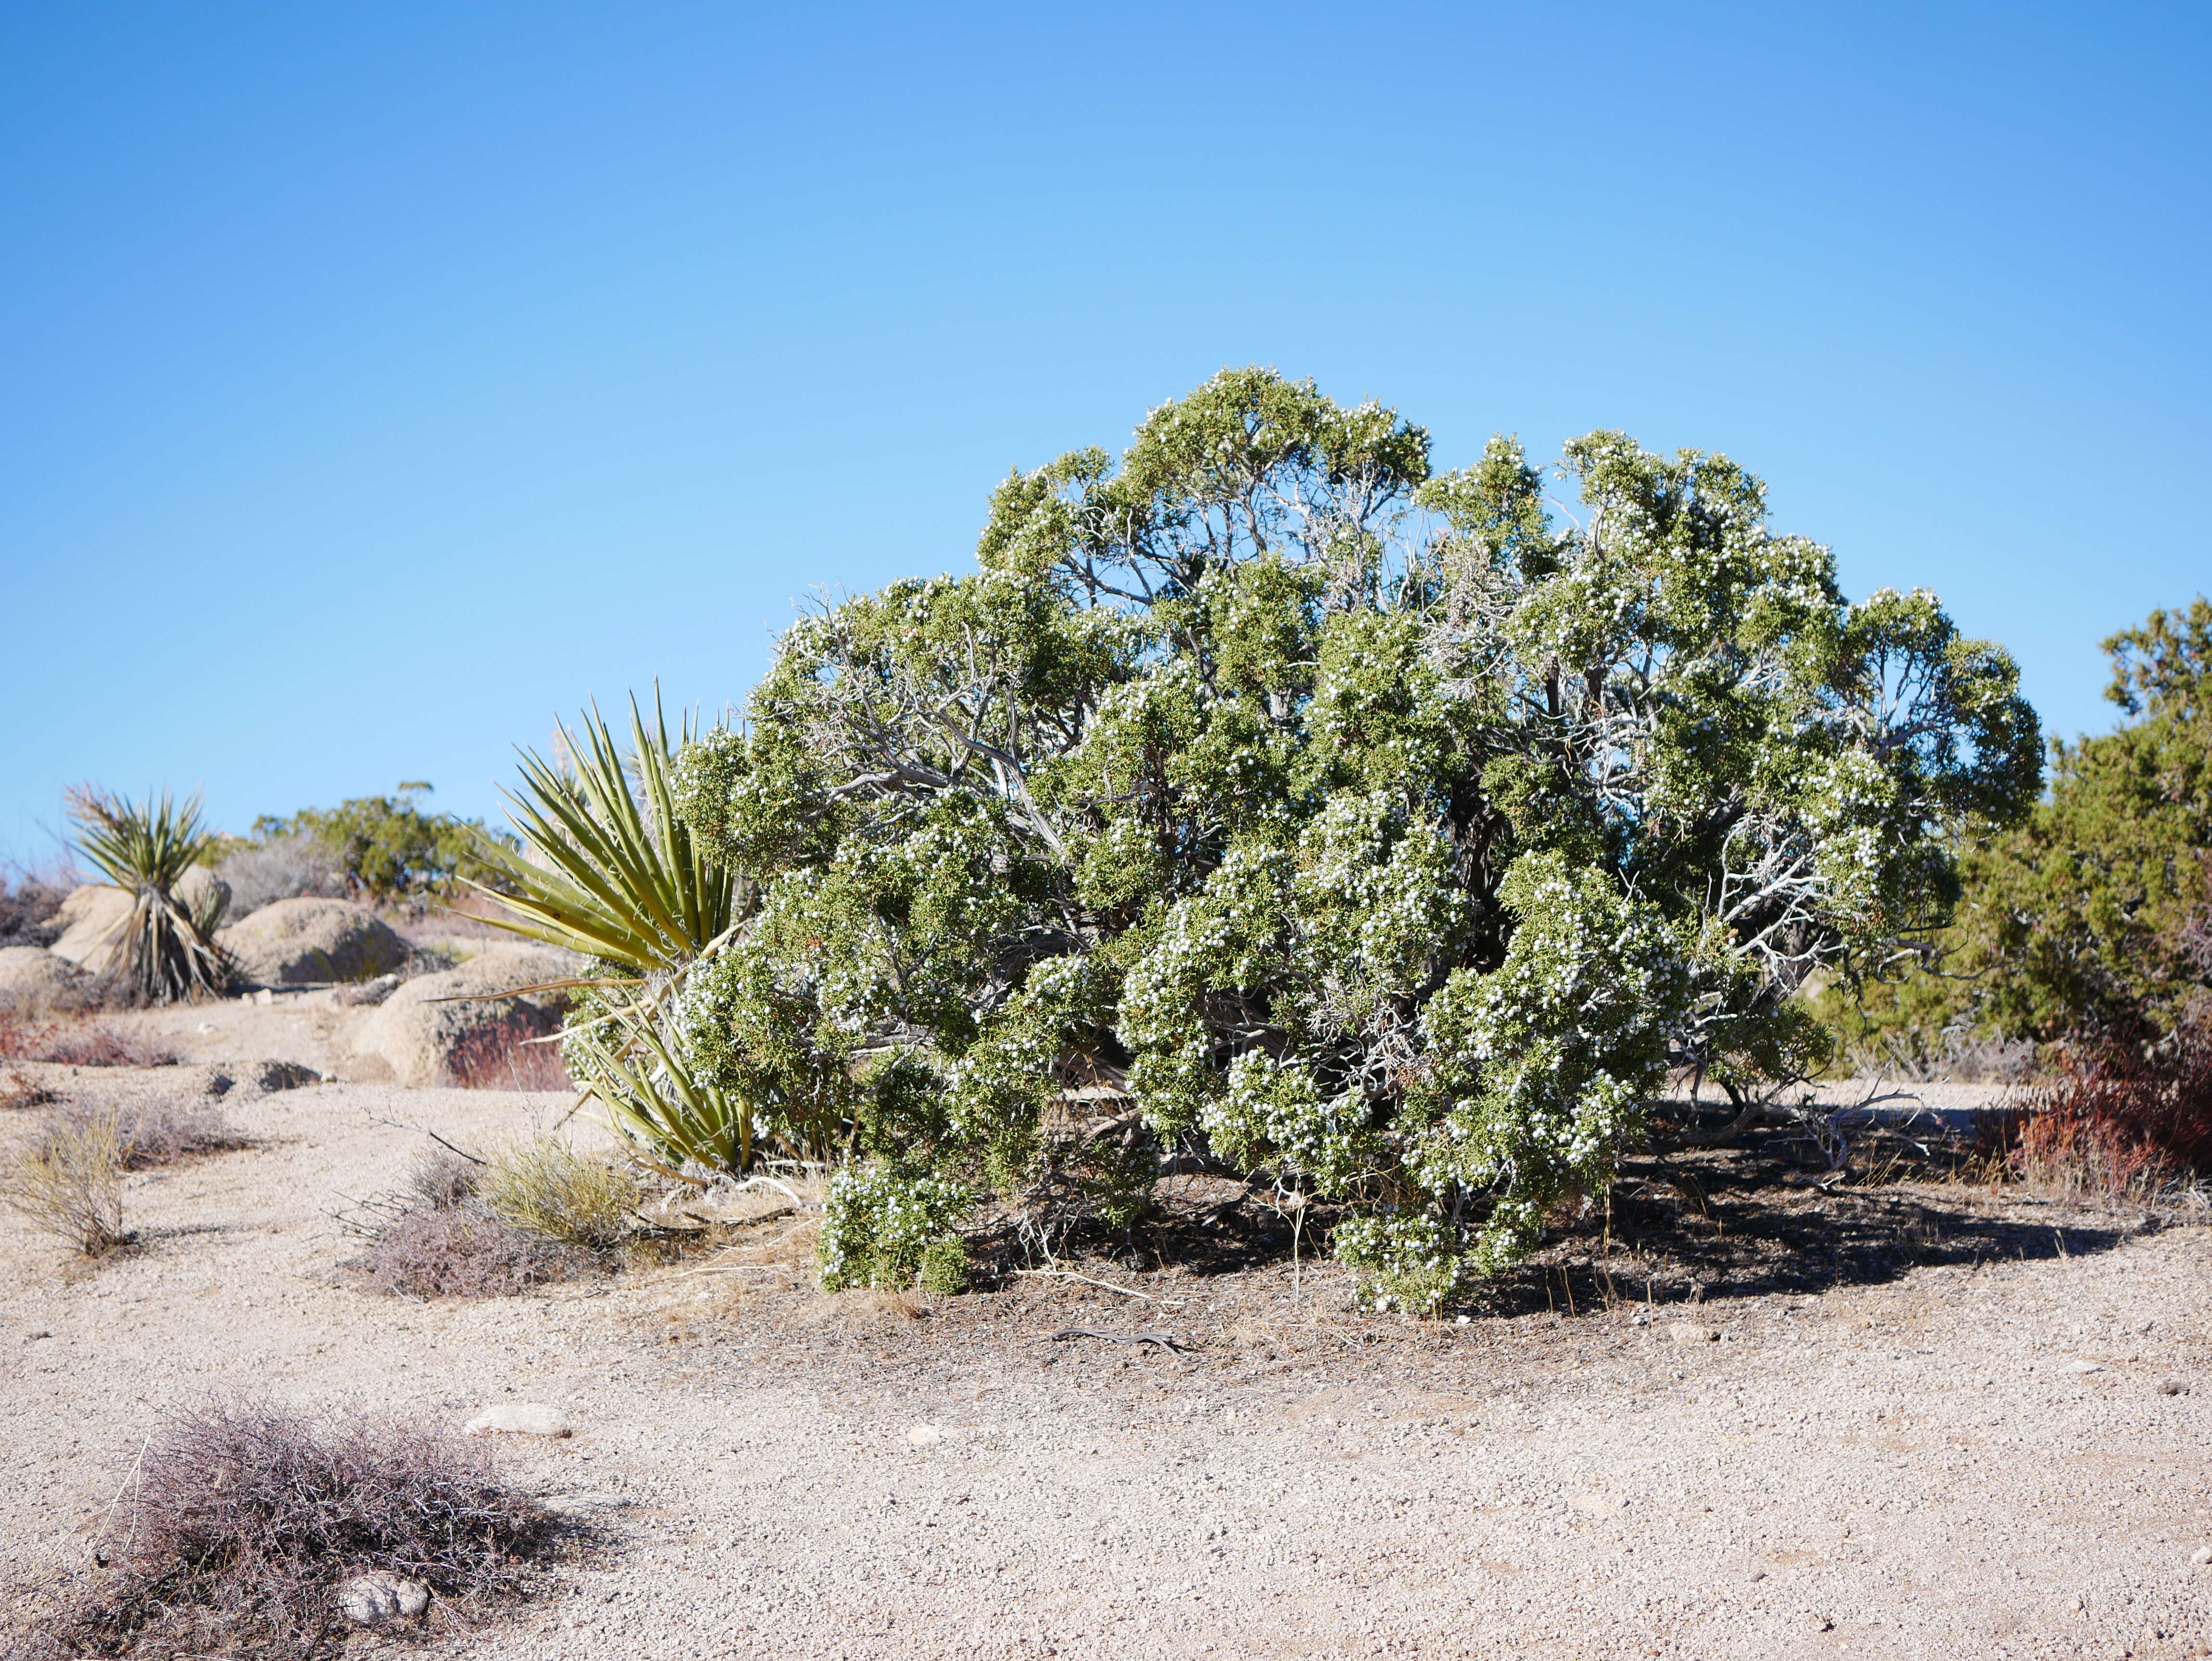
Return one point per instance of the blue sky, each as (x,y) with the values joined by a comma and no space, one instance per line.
(381,381)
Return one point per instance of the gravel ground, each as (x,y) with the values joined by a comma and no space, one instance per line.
(1965,1460)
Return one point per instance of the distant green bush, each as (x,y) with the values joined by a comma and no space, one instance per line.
(386,847)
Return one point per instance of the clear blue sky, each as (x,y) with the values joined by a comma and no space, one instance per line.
(379,380)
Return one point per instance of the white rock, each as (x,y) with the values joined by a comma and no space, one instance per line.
(2202,1555)
(2083,1367)
(367,1599)
(93,916)
(924,1436)
(520,1419)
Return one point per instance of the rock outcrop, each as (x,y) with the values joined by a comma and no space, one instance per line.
(312,942)
(428,1041)
(34,980)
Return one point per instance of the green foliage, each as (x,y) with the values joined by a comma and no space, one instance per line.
(388,848)
(1368,826)
(616,876)
(165,948)
(2077,923)
(944,1270)
(882,1228)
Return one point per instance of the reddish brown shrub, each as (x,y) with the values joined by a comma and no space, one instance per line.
(463,1252)
(2111,1123)
(503,1057)
(79,1045)
(244,1521)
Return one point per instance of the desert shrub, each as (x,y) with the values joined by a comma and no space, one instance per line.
(463,1252)
(508,1055)
(547,1188)
(443,1238)
(2077,924)
(385,847)
(246,1520)
(165,948)
(2111,1124)
(945,1268)
(78,1044)
(285,867)
(69,1182)
(1369,826)
(879,1226)
(28,904)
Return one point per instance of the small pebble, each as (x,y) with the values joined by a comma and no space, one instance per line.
(2202,1556)
(520,1419)
(2083,1367)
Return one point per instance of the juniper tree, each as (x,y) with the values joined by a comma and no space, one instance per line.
(1381,828)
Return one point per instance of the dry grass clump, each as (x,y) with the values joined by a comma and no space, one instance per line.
(68,1182)
(79,1045)
(545,1187)
(245,1522)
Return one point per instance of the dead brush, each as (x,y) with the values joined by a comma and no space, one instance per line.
(68,1182)
(244,1525)
(509,1055)
(443,1236)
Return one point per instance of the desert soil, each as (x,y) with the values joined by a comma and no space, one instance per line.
(2001,1453)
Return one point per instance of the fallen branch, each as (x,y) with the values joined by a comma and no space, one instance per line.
(1165,1341)
(1070,1275)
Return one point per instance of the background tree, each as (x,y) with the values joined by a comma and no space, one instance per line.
(2087,921)
(1366,826)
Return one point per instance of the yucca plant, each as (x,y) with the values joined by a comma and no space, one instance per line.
(164,949)
(611,872)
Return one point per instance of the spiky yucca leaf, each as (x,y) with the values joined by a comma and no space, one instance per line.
(164,950)
(653,1099)
(618,878)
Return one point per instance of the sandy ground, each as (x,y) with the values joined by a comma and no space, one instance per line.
(1921,1463)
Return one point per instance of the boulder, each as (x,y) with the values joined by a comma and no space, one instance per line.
(427,1041)
(33,980)
(91,917)
(296,942)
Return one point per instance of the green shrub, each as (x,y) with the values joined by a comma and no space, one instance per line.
(879,1228)
(1372,829)
(944,1267)
(387,847)
(2086,921)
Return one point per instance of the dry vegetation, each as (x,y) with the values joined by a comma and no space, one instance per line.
(246,1529)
